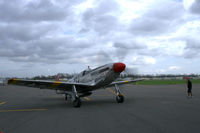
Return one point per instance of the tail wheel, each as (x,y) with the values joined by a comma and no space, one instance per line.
(77,102)
(120,98)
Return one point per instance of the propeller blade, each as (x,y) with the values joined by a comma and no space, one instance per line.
(129,71)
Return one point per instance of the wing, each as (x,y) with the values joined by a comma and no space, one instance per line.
(124,82)
(55,85)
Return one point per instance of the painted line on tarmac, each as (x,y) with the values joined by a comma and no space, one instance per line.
(86,98)
(1,103)
(22,110)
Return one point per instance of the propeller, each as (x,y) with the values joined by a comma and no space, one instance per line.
(130,71)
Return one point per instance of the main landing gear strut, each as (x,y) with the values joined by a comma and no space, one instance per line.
(76,101)
(75,98)
(119,97)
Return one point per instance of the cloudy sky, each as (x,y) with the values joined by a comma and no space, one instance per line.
(45,37)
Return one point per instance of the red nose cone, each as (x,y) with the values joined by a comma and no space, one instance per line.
(119,67)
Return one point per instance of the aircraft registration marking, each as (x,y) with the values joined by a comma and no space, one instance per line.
(23,110)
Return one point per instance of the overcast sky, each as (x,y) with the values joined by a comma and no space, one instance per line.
(51,36)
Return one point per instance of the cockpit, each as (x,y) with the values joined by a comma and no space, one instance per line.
(85,72)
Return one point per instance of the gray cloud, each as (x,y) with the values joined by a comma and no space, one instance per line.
(192,49)
(129,45)
(102,58)
(51,33)
(29,32)
(46,50)
(160,18)
(148,26)
(151,52)
(123,49)
(44,10)
(25,32)
(195,7)
(100,19)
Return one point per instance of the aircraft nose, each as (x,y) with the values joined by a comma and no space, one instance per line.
(119,67)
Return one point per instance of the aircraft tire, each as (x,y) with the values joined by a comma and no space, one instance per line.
(120,99)
(65,97)
(77,102)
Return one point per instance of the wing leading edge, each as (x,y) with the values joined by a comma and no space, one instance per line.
(124,82)
(54,85)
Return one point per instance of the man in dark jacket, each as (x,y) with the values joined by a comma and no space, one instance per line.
(189,85)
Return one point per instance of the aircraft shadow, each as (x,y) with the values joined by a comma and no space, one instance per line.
(60,103)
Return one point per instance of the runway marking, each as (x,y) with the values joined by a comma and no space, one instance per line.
(1,103)
(23,110)
(86,98)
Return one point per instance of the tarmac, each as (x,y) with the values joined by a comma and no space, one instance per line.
(147,109)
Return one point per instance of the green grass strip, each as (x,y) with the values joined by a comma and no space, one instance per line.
(167,82)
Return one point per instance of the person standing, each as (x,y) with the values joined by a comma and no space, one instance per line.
(189,86)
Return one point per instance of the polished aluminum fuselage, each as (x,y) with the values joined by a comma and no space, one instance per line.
(98,78)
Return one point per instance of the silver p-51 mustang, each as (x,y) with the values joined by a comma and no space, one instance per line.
(84,83)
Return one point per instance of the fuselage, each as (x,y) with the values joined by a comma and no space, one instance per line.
(100,76)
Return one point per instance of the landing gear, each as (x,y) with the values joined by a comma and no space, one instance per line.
(75,98)
(119,97)
(77,102)
(66,97)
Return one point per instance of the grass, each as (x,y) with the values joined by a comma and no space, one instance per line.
(166,82)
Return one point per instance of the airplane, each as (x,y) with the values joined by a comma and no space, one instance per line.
(82,84)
